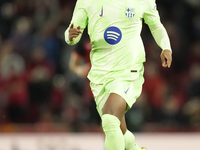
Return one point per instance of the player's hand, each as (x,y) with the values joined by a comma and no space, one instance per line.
(74,32)
(166,58)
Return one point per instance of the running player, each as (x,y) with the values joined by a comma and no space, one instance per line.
(117,58)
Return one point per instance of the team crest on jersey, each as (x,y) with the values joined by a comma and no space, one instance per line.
(130,12)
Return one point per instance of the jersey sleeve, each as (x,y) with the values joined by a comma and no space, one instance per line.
(79,18)
(160,35)
(151,15)
(152,19)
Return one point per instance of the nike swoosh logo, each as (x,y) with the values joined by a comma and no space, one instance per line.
(101,15)
(126,91)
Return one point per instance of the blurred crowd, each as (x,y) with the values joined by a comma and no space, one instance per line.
(37,85)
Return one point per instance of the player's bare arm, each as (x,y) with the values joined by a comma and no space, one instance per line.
(166,58)
(74,32)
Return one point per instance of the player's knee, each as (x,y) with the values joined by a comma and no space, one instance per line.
(114,112)
(115,105)
(109,111)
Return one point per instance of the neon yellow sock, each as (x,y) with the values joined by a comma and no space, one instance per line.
(114,139)
(130,143)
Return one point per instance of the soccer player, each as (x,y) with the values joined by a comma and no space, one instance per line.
(117,58)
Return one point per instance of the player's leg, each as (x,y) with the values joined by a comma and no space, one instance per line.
(123,126)
(113,112)
(129,138)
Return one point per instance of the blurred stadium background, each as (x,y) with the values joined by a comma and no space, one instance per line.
(39,94)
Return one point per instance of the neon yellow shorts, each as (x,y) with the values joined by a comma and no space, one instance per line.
(128,88)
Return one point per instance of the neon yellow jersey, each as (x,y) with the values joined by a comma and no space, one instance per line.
(114,27)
